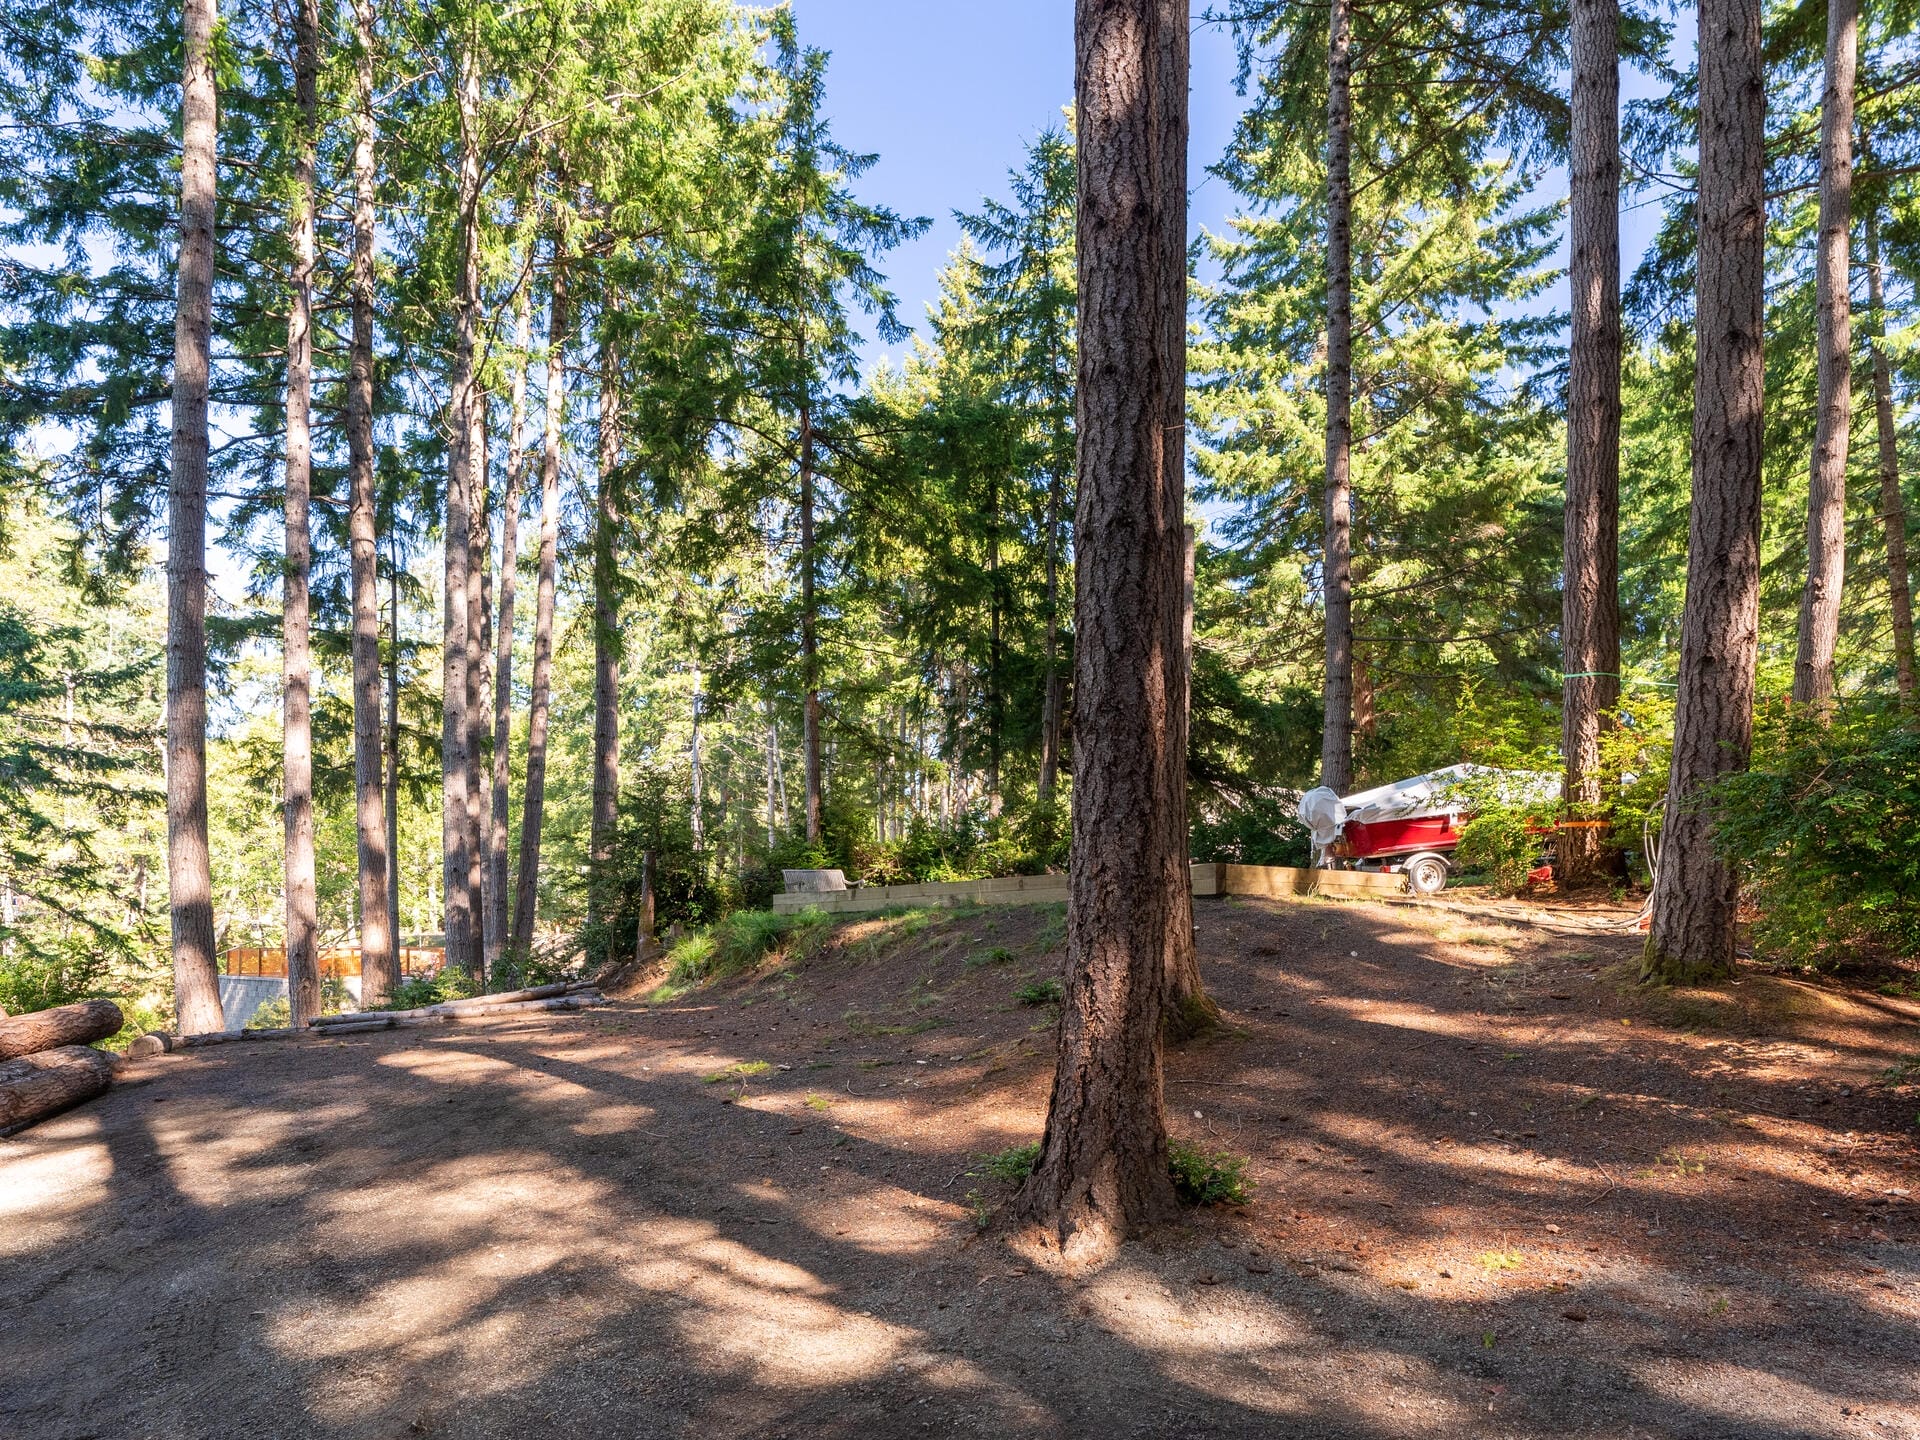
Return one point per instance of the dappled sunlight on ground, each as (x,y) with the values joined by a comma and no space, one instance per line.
(1484,1207)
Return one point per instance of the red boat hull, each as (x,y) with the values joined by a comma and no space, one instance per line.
(1398,837)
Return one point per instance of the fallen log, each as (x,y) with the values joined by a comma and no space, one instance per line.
(356,1017)
(63,1025)
(542,995)
(365,1022)
(32,1087)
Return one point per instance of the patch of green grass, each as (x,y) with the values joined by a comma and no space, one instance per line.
(817,1102)
(997,955)
(1202,1177)
(858,1024)
(1012,1165)
(980,1208)
(1494,1261)
(745,1070)
(1040,992)
(745,938)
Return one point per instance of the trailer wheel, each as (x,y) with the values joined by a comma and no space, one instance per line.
(1427,874)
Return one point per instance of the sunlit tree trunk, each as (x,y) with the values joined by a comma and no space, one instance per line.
(1102,1169)
(533,809)
(393,751)
(196,983)
(302,901)
(1336,737)
(499,902)
(606,631)
(809,638)
(1695,892)
(375,842)
(456,879)
(695,815)
(1813,680)
(1893,505)
(479,718)
(1590,595)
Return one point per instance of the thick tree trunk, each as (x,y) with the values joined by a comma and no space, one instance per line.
(1813,680)
(1102,1169)
(498,901)
(1590,597)
(479,719)
(533,808)
(35,1087)
(196,983)
(809,636)
(1053,705)
(1695,892)
(393,756)
(379,962)
(1336,736)
(606,633)
(79,1024)
(695,816)
(1893,505)
(296,669)
(461,922)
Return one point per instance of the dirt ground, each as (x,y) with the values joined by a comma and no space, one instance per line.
(1500,1193)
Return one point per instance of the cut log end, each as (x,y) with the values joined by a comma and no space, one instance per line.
(63,1025)
(34,1087)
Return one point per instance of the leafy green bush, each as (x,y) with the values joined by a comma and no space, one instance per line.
(1824,829)
(1498,844)
(276,1014)
(447,983)
(1260,831)
(745,938)
(1040,992)
(1202,1177)
(1014,1164)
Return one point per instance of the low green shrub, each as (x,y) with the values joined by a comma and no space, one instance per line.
(1202,1177)
(1040,992)
(276,1014)
(1013,1165)
(415,991)
(745,938)
(1824,829)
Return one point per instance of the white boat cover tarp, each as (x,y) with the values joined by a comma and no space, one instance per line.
(1438,792)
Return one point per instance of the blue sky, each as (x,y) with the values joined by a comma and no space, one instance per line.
(949,94)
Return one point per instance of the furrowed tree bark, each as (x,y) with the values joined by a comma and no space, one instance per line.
(498,896)
(1813,679)
(78,1024)
(1893,505)
(196,983)
(1336,736)
(1590,594)
(479,721)
(809,636)
(1695,892)
(35,1087)
(1190,1010)
(533,808)
(379,960)
(606,632)
(1053,704)
(454,728)
(1102,1170)
(296,667)
(393,754)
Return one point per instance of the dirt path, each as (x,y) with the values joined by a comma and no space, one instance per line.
(1499,1195)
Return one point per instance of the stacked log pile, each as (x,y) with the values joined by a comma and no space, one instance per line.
(47,1063)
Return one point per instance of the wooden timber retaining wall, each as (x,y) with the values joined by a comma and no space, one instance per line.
(1269,881)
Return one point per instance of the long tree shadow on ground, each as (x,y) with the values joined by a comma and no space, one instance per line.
(573,1229)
